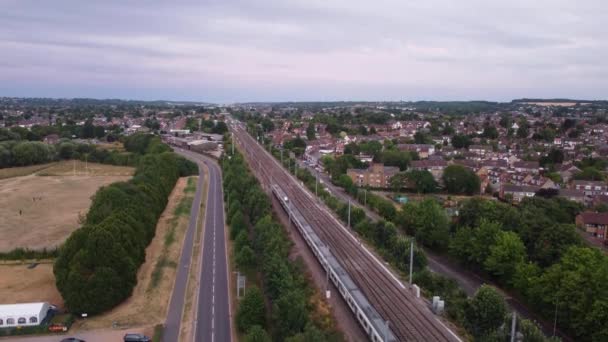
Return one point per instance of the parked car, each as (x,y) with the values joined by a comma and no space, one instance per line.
(72,339)
(136,338)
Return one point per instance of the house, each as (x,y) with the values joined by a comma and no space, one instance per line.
(376,176)
(518,192)
(480,150)
(51,139)
(593,223)
(573,195)
(436,167)
(423,150)
(567,171)
(526,166)
(591,188)
(24,314)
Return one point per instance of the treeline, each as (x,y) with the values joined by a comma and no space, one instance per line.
(63,128)
(535,250)
(261,245)
(97,266)
(527,248)
(484,316)
(29,254)
(23,153)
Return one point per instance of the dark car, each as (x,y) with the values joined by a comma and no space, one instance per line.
(72,339)
(136,338)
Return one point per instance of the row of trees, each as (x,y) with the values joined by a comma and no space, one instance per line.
(97,265)
(68,129)
(261,245)
(23,153)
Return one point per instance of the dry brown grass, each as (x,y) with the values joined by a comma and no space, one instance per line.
(18,284)
(148,304)
(49,219)
(80,168)
(22,171)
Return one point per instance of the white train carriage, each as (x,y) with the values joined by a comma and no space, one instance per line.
(366,315)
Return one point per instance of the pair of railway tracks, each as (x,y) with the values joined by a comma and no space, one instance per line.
(410,318)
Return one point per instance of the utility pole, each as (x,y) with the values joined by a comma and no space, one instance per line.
(555,319)
(317,185)
(411,260)
(513,325)
(349,213)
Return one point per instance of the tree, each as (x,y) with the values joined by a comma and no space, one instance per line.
(484,313)
(573,285)
(251,310)
(490,132)
(422,180)
(472,245)
(458,180)
(522,131)
(291,313)
(427,221)
(589,173)
(311,132)
(237,224)
(257,334)
(505,255)
(245,258)
(461,141)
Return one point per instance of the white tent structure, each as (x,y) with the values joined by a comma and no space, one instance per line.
(25,314)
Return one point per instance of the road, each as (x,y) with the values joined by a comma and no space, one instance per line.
(89,336)
(213,316)
(176,305)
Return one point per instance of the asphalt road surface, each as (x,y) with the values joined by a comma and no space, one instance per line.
(213,316)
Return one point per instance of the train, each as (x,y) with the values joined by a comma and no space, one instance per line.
(370,320)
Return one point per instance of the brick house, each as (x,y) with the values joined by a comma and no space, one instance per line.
(518,192)
(593,223)
(591,188)
(376,176)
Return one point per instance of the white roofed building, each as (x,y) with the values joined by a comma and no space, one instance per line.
(24,314)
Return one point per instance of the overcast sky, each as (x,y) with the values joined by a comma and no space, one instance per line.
(276,50)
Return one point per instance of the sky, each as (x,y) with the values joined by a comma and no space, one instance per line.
(304,50)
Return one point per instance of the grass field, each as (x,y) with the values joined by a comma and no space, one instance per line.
(18,284)
(11,172)
(40,212)
(80,168)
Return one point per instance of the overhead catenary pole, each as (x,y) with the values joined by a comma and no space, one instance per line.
(411,260)
(349,213)
(513,325)
(555,319)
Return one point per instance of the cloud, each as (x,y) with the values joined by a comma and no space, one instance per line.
(281,50)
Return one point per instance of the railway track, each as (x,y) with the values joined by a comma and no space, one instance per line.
(410,318)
